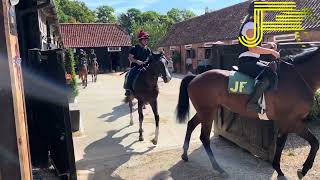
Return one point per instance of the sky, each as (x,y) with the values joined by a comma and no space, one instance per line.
(162,6)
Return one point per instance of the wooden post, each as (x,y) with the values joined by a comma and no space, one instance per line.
(15,158)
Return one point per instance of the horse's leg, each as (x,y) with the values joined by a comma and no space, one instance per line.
(154,106)
(192,124)
(86,78)
(281,141)
(140,104)
(314,143)
(131,117)
(206,126)
(92,75)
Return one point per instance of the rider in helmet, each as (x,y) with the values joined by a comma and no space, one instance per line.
(137,57)
(92,57)
(93,60)
(250,64)
(83,57)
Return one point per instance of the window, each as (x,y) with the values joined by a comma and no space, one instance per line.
(191,53)
(114,49)
(173,53)
(207,53)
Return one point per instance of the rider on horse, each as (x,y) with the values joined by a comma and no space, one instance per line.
(93,56)
(138,55)
(83,58)
(93,59)
(250,64)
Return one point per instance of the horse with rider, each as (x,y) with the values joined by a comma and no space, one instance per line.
(284,95)
(94,65)
(141,82)
(83,67)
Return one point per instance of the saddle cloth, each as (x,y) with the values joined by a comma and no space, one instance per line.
(240,83)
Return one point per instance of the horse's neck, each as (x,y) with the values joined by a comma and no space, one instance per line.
(149,78)
(310,72)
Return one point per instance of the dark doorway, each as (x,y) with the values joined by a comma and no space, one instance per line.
(114,61)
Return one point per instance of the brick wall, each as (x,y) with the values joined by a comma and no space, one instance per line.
(199,50)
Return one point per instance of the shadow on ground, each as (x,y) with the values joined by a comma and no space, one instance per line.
(118,112)
(237,163)
(100,161)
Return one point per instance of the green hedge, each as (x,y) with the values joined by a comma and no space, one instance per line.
(70,68)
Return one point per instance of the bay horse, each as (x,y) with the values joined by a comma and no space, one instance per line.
(83,73)
(146,90)
(94,70)
(288,105)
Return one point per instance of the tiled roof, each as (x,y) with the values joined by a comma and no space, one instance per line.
(224,24)
(310,23)
(94,35)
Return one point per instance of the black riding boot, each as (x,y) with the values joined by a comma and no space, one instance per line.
(126,86)
(260,87)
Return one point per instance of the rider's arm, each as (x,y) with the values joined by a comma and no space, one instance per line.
(133,60)
(259,49)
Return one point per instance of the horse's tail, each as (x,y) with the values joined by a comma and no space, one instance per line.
(183,107)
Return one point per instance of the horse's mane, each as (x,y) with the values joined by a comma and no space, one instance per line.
(302,57)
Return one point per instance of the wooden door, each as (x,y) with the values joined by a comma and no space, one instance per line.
(14,149)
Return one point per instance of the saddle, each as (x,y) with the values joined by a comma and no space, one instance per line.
(240,83)
(132,77)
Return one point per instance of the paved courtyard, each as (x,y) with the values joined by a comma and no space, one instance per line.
(107,148)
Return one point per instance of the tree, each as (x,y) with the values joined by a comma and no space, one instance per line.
(175,15)
(74,11)
(126,20)
(150,16)
(187,14)
(134,15)
(156,31)
(180,15)
(105,14)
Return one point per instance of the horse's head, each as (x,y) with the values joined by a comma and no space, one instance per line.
(159,65)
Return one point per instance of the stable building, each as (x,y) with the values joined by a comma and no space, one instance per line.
(193,39)
(110,42)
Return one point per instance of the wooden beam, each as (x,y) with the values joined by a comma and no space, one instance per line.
(18,150)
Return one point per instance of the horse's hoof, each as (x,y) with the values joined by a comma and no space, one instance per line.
(131,123)
(185,157)
(282,178)
(300,175)
(154,142)
(141,139)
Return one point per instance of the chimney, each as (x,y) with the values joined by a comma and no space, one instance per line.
(206,10)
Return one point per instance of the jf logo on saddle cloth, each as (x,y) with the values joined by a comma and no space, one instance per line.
(242,84)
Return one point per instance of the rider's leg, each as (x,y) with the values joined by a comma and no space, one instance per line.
(129,81)
(263,83)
